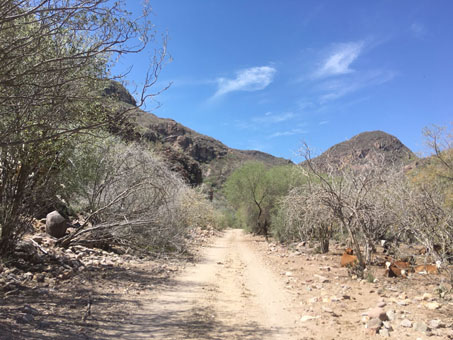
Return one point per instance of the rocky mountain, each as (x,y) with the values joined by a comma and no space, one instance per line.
(199,158)
(215,160)
(203,159)
(365,148)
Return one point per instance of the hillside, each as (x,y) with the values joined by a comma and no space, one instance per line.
(199,158)
(365,148)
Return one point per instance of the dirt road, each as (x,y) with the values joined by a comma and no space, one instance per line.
(241,288)
(229,294)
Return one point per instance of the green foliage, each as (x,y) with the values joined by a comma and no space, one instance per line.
(254,189)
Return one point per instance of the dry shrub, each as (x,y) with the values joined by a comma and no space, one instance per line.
(132,199)
(197,211)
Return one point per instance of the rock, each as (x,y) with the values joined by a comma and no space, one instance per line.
(27,309)
(402,296)
(28,276)
(384,332)
(322,279)
(381,304)
(432,305)
(406,323)
(374,324)
(420,327)
(289,274)
(377,313)
(56,224)
(308,318)
(427,297)
(65,275)
(403,302)
(391,315)
(330,311)
(434,324)
(387,325)
(25,318)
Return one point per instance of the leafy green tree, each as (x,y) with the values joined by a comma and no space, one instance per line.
(254,189)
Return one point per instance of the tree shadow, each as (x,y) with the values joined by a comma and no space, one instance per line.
(114,314)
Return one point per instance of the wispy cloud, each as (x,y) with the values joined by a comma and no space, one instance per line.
(291,132)
(334,89)
(340,59)
(250,79)
(270,118)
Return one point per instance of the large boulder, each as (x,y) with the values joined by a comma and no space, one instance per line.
(56,224)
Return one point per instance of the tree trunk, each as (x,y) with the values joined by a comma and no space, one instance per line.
(324,245)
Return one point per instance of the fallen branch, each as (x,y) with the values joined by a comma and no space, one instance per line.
(39,247)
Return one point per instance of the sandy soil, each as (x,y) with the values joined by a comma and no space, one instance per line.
(242,287)
(229,294)
(246,288)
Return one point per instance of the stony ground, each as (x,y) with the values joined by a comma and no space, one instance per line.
(240,287)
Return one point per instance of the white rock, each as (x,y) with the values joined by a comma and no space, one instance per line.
(434,324)
(387,325)
(384,332)
(308,318)
(322,279)
(406,323)
(403,302)
(432,305)
(391,315)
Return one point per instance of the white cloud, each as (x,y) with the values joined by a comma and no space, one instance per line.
(251,79)
(288,133)
(340,59)
(270,118)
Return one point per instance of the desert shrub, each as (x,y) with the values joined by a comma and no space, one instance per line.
(197,210)
(303,216)
(424,213)
(130,198)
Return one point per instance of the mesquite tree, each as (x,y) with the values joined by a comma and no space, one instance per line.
(356,198)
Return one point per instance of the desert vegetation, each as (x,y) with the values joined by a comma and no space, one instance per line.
(58,116)
(364,204)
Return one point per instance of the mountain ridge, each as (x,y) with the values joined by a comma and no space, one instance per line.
(367,147)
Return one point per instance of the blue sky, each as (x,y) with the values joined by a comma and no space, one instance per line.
(267,75)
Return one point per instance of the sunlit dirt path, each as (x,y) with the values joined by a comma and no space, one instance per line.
(229,294)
